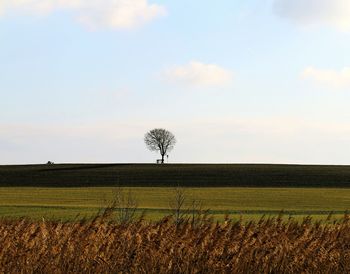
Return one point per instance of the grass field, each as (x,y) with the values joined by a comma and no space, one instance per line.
(187,175)
(62,191)
(67,203)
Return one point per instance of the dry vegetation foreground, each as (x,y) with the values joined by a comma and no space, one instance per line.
(100,246)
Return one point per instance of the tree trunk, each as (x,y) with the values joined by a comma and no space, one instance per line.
(162,158)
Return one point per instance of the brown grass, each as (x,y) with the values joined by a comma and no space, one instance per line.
(101,246)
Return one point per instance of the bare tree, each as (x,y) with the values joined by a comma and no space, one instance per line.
(195,213)
(125,205)
(161,140)
(177,205)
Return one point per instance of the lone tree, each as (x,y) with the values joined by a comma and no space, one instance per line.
(161,140)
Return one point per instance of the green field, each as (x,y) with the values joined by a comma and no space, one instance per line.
(62,191)
(67,203)
(186,175)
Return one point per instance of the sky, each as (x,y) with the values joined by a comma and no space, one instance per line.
(236,81)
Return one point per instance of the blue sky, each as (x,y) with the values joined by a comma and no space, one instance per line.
(257,81)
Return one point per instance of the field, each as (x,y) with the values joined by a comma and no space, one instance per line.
(67,203)
(64,230)
(62,191)
(187,175)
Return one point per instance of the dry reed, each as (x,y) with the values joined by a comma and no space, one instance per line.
(101,246)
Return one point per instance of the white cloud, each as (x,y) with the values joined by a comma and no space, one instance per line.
(316,12)
(94,14)
(328,78)
(198,74)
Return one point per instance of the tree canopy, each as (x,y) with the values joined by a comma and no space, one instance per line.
(161,140)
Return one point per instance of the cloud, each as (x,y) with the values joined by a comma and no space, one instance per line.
(198,74)
(94,14)
(327,77)
(315,12)
(39,7)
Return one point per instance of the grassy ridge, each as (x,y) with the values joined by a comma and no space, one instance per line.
(190,175)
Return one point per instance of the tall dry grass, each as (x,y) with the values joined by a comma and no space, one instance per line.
(100,246)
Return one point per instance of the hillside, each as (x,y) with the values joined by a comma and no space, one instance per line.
(210,175)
